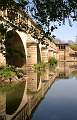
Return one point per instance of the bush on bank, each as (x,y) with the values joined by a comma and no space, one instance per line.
(73,47)
(52,61)
(7,72)
(40,66)
(10,71)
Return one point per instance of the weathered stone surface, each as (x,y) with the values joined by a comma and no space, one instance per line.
(65,53)
(2,60)
(31,54)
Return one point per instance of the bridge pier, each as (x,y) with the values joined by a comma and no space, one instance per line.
(2,60)
(44,54)
(31,54)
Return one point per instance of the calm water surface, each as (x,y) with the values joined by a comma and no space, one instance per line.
(51,95)
(60,103)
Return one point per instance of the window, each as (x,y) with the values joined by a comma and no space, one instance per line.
(61,47)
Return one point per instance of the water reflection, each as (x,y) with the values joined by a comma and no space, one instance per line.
(14,98)
(25,100)
(65,69)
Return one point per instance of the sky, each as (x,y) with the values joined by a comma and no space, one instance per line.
(65,32)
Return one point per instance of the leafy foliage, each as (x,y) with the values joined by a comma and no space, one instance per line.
(74,47)
(40,66)
(47,11)
(52,61)
(11,71)
(7,72)
(10,3)
(2,29)
(23,3)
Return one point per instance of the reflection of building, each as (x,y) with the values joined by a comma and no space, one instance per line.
(35,94)
(19,103)
(33,81)
(45,75)
(64,69)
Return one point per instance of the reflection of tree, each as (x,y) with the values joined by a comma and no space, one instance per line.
(74,73)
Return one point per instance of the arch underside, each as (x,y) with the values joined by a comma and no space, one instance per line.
(15,52)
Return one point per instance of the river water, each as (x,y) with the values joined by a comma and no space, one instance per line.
(46,95)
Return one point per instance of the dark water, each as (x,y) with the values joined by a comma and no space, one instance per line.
(50,95)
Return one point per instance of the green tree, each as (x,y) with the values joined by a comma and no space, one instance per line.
(10,3)
(23,3)
(47,11)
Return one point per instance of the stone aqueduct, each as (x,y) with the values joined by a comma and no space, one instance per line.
(23,37)
(24,45)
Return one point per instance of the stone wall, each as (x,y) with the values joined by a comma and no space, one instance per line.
(2,60)
(66,54)
(44,54)
(71,55)
(50,53)
(31,54)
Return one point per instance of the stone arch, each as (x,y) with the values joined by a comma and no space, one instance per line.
(15,48)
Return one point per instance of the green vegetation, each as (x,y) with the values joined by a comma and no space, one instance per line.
(47,11)
(10,71)
(7,72)
(74,47)
(19,73)
(40,66)
(52,61)
(74,73)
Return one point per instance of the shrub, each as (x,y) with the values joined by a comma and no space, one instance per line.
(11,71)
(19,73)
(52,61)
(73,47)
(39,66)
(7,72)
